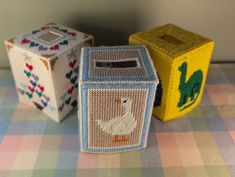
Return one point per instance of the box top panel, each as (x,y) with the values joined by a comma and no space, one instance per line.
(119,63)
(48,40)
(171,39)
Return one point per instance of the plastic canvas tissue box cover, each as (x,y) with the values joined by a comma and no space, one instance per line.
(116,90)
(45,63)
(181,59)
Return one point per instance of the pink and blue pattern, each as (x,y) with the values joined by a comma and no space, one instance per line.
(200,144)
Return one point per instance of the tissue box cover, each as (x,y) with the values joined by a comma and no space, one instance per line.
(181,59)
(45,63)
(116,91)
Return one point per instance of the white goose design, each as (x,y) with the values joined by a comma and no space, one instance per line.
(121,126)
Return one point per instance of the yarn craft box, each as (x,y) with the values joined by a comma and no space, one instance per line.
(116,90)
(45,63)
(181,59)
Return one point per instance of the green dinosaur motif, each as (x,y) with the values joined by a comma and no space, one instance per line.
(190,88)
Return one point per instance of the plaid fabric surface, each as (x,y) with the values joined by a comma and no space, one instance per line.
(200,144)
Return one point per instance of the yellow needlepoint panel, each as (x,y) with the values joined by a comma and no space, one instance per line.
(181,59)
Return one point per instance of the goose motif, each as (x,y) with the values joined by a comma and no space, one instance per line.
(120,126)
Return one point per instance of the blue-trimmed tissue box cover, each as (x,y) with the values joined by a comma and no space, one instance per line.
(116,93)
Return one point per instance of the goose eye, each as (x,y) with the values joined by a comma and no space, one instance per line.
(124,101)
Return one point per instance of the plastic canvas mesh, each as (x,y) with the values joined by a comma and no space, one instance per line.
(181,59)
(116,90)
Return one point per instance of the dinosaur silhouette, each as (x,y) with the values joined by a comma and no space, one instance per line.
(191,88)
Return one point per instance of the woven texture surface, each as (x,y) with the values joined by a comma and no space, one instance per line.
(172,40)
(186,56)
(46,73)
(201,144)
(117,63)
(115,115)
(47,40)
(102,107)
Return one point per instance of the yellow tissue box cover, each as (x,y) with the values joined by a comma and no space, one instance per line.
(181,59)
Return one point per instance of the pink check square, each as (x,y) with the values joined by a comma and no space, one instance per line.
(11,143)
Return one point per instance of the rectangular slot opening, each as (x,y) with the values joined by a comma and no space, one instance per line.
(125,63)
(49,37)
(171,39)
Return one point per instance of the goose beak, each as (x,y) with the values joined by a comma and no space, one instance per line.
(118,100)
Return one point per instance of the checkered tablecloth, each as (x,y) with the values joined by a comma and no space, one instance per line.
(200,144)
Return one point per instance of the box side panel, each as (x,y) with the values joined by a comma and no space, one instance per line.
(189,77)
(33,80)
(162,66)
(115,117)
(65,69)
(16,65)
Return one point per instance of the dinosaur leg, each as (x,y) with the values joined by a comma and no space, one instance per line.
(192,96)
(182,100)
(195,91)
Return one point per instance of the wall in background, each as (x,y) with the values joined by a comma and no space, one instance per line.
(111,21)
